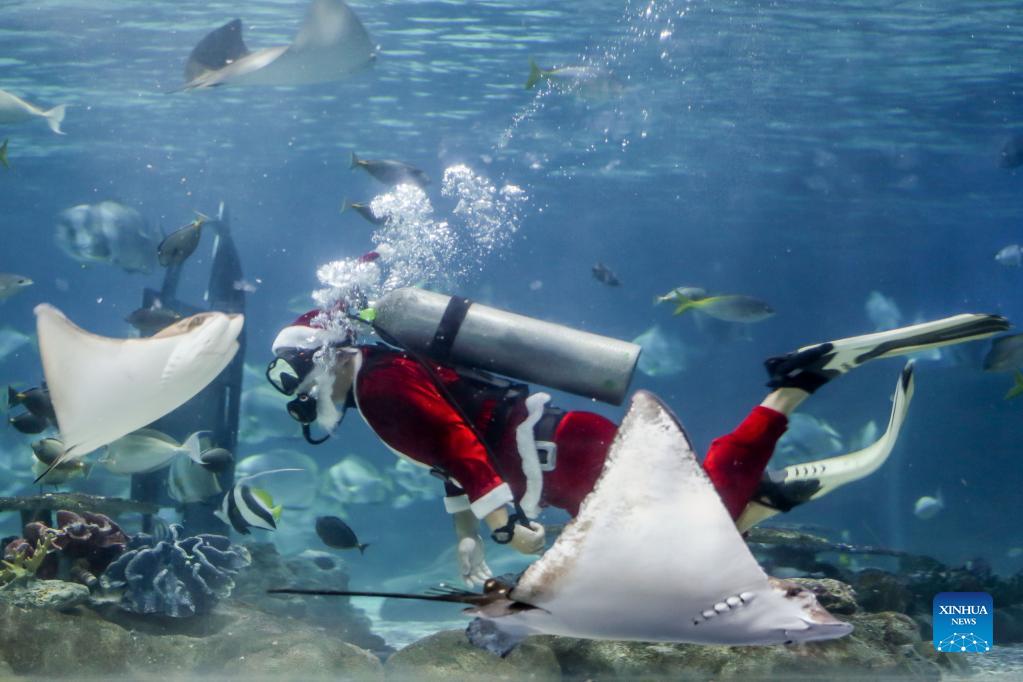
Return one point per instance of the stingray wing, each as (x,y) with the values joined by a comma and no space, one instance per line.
(104,388)
(331,44)
(653,552)
(219,48)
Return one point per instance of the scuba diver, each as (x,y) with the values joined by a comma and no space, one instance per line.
(503,453)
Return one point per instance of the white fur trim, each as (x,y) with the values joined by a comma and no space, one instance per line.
(298,336)
(525,441)
(495,499)
(458,503)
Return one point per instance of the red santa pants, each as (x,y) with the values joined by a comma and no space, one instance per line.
(734,463)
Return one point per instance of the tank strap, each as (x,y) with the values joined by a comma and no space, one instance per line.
(443,339)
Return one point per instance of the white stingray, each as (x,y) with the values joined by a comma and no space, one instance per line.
(655,556)
(332,44)
(104,388)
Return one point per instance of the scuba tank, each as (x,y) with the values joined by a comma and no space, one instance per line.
(456,330)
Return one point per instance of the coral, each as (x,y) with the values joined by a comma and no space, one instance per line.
(177,577)
(24,562)
(81,546)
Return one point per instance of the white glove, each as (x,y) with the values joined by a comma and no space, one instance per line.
(474,568)
(529,540)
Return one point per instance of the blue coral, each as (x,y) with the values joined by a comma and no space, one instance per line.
(177,577)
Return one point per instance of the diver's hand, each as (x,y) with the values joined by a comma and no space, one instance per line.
(529,540)
(474,568)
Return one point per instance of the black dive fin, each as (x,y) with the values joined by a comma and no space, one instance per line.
(219,48)
(484,634)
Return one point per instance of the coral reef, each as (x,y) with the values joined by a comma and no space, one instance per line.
(83,545)
(23,561)
(177,577)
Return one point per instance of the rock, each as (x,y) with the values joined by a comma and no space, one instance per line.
(882,644)
(232,641)
(311,570)
(878,590)
(45,594)
(448,655)
(834,595)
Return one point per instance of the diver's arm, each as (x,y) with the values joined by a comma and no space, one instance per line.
(471,560)
(526,539)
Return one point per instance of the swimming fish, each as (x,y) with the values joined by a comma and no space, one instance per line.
(180,244)
(13,109)
(927,507)
(604,275)
(245,507)
(148,450)
(36,400)
(728,307)
(110,233)
(1006,354)
(337,534)
(11,284)
(105,388)
(48,467)
(331,45)
(882,311)
(28,423)
(11,341)
(354,480)
(590,82)
(662,355)
(1011,155)
(365,210)
(150,320)
(3,154)
(190,482)
(672,569)
(1017,386)
(1010,256)
(391,172)
(216,459)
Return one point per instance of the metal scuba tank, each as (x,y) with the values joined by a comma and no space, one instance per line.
(456,330)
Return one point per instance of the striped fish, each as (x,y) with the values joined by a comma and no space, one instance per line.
(245,507)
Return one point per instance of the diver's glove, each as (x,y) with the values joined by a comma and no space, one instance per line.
(528,539)
(471,562)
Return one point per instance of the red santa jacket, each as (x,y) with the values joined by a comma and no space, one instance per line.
(403,405)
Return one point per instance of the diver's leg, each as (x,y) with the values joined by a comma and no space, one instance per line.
(735,462)
(782,489)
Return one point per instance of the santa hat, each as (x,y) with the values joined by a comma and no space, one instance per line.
(310,332)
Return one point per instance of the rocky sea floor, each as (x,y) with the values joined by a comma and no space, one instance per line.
(54,629)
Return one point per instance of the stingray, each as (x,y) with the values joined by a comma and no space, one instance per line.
(332,44)
(652,556)
(104,388)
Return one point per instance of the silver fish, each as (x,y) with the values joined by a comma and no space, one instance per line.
(1006,354)
(148,450)
(109,233)
(13,109)
(11,284)
(391,172)
(1010,256)
(180,244)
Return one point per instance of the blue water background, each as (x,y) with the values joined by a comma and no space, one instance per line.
(805,153)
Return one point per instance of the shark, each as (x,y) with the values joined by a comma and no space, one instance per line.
(331,45)
(653,556)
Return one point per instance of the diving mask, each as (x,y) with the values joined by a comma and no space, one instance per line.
(289,369)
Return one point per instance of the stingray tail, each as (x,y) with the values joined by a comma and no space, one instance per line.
(54,117)
(456,597)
